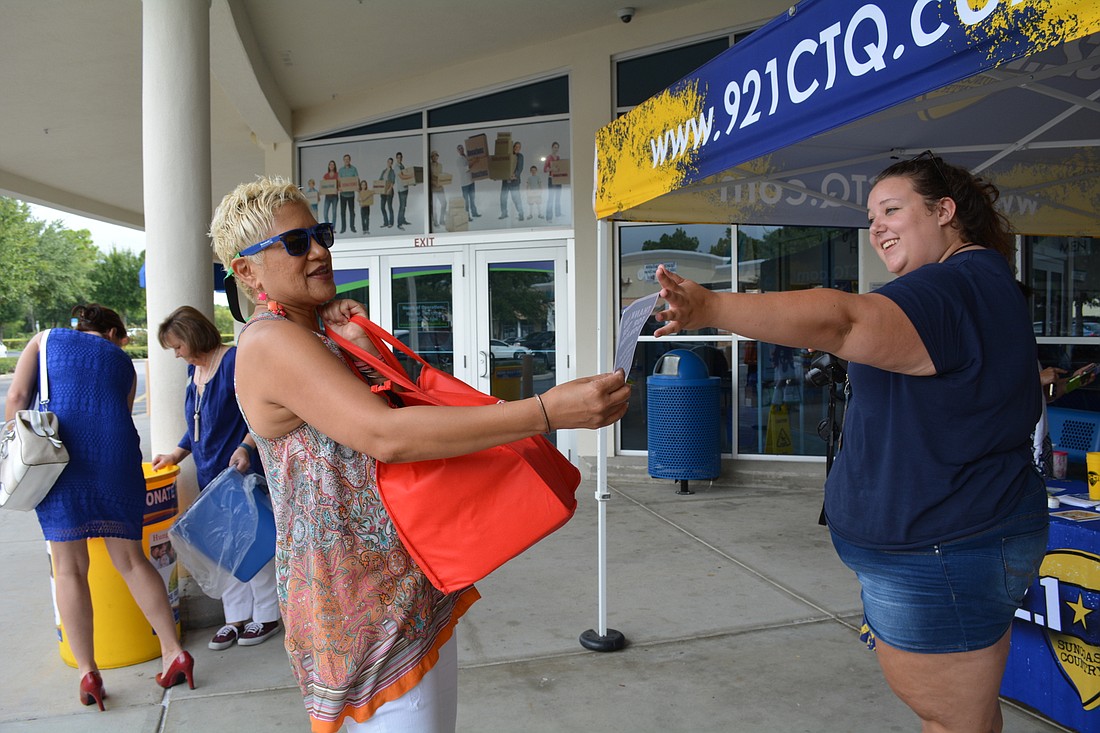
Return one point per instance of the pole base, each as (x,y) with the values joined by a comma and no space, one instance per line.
(684,490)
(613,642)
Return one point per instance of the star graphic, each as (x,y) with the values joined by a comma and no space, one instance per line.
(1079,610)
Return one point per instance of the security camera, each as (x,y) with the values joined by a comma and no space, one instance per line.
(626,14)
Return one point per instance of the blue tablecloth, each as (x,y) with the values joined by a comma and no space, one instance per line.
(1054,662)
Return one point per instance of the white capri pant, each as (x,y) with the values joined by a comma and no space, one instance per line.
(256,600)
(430,707)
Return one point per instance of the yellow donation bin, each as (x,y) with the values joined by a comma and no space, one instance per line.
(122,635)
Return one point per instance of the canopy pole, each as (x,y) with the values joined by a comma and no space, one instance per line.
(603,639)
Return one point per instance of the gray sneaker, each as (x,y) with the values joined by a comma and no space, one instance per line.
(257,633)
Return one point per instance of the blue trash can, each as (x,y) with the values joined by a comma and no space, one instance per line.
(682,417)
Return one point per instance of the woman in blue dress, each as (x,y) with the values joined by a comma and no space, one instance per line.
(101,492)
(217,437)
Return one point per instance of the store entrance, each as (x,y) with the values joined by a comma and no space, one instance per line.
(488,314)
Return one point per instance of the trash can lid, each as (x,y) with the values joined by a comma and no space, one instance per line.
(166,472)
(681,364)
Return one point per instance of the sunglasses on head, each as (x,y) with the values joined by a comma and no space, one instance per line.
(929,155)
(296,241)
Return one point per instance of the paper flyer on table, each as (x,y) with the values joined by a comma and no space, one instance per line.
(630,327)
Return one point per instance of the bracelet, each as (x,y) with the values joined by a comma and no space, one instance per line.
(544,415)
(245,445)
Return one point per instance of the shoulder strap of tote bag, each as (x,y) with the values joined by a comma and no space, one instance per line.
(43,374)
(387,366)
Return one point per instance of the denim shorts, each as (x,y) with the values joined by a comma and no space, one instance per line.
(955,596)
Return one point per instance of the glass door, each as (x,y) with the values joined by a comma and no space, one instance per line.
(420,310)
(521,295)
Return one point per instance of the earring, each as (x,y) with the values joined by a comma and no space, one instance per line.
(272,305)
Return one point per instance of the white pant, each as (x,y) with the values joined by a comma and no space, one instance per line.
(430,707)
(255,600)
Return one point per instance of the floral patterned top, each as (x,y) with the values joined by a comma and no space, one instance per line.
(363,624)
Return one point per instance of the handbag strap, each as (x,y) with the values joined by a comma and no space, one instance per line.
(43,373)
(387,365)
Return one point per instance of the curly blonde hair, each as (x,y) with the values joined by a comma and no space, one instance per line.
(246,215)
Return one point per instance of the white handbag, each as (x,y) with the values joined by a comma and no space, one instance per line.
(32,455)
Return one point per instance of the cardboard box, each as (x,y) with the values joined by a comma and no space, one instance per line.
(411,175)
(463,227)
(328,187)
(366,198)
(456,216)
(349,183)
(479,168)
(559,172)
(503,145)
(443,179)
(501,167)
(477,146)
(456,202)
(378,185)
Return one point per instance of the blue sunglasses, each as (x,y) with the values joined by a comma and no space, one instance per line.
(296,241)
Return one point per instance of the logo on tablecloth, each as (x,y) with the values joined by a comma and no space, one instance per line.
(1067,604)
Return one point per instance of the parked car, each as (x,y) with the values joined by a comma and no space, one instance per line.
(501,350)
(539,341)
(542,343)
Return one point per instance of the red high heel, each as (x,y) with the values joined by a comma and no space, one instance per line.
(91,689)
(181,668)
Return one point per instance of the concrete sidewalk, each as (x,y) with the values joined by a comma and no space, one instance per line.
(737,614)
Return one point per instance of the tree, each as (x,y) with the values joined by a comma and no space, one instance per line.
(116,284)
(223,319)
(723,247)
(515,298)
(64,260)
(18,238)
(679,239)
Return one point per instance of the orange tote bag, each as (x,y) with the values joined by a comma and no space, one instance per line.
(461,518)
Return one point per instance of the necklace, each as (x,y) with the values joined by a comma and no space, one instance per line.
(960,249)
(201,379)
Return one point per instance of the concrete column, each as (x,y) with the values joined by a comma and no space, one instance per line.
(176,169)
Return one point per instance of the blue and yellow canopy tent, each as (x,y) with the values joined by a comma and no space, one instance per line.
(790,126)
(791,123)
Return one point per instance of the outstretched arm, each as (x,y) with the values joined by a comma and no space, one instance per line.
(867,329)
(287,377)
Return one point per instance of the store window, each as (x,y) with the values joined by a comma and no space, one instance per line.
(1063,277)
(767,407)
(779,411)
(700,252)
(549,97)
(489,178)
(392,177)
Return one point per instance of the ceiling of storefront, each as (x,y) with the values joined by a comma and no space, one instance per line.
(70,119)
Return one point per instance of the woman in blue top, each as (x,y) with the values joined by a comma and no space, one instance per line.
(217,437)
(101,492)
(933,501)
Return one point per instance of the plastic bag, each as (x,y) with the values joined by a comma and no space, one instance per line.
(226,532)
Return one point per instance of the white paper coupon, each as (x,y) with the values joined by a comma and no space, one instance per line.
(630,327)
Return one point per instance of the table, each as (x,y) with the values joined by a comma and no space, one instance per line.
(1054,662)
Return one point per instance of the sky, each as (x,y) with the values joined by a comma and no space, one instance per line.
(106,237)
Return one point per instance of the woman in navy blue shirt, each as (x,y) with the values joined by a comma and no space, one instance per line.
(933,500)
(217,437)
